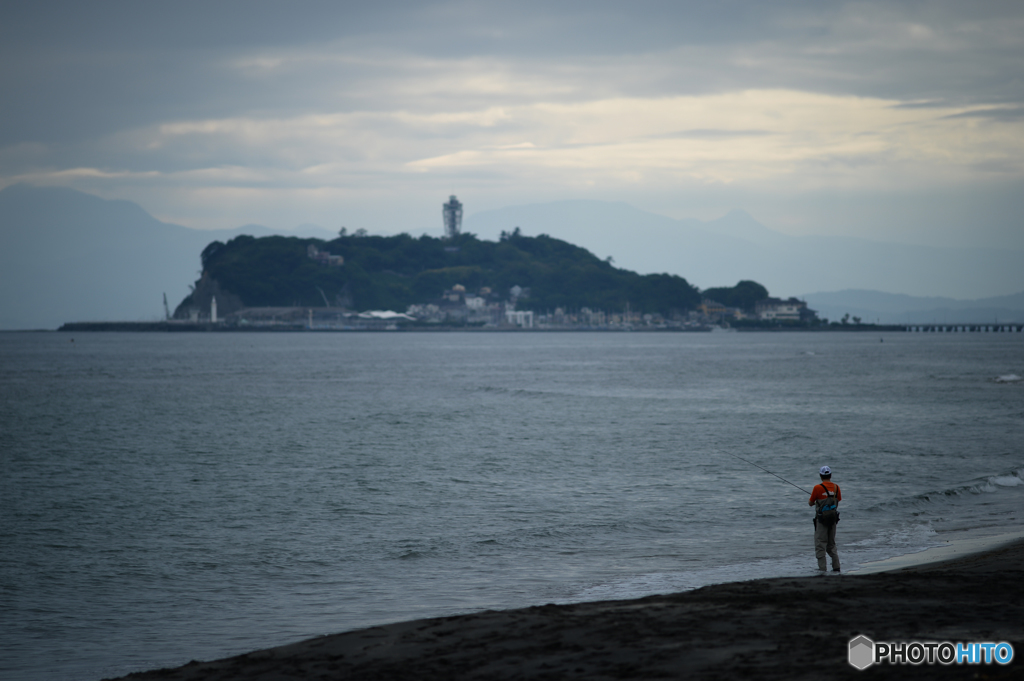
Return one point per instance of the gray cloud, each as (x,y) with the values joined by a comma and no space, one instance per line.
(73,70)
(151,101)
(703,134)
(1007,114)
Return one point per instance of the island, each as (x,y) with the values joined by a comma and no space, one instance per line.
(361,281)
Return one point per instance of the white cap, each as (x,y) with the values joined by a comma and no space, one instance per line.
(825,470)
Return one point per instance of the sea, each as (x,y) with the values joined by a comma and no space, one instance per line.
(169,497)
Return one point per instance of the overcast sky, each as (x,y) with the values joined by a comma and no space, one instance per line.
(899,121)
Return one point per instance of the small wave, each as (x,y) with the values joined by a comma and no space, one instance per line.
(649,584)
(523,392)
(1003,481)
(1008,378)
(789,437)
(994,482)
(988,485)
(912,535)
(411,555)
(490,389)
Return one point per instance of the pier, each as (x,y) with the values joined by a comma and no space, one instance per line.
(965,328)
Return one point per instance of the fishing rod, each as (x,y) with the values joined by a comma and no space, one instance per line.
(770,473)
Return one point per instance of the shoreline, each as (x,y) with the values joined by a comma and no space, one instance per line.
(933,557)
(207,327)
(775,628)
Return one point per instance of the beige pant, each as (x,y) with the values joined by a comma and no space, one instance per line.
(825,542)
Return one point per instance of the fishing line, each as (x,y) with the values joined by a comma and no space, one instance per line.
(770,473)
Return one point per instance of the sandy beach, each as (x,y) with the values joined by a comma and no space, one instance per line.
(785,628)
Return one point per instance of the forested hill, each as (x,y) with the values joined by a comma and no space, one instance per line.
(396,271)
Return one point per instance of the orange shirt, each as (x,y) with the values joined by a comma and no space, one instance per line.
(818,492)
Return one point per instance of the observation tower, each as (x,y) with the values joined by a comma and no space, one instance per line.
(452,213)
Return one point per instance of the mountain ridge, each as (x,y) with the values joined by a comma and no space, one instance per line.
(67,255)
(736,246)
(893,308)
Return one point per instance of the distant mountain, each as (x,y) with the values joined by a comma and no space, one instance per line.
(69,256)
(736,246)
(890,308)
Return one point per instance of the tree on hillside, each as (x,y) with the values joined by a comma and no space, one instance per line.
(743,295)
(394,272)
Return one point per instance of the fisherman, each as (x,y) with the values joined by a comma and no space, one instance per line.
(826,497)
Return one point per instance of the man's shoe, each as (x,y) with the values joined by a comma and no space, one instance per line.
(835,569)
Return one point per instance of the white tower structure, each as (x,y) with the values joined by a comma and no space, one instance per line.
(452,212)
(213,309)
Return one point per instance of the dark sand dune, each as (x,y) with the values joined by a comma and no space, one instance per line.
(786,628)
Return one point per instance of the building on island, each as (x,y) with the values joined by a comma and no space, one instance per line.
(452,214)
(714,311)
(775,309)
(324,257)
(521,318)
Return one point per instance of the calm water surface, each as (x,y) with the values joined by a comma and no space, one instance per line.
(172,497)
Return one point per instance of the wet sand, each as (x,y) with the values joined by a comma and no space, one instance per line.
(784,628)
